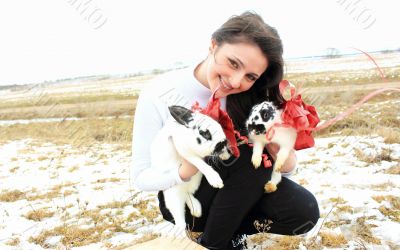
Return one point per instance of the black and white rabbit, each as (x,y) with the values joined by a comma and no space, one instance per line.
(262,117)
(192,136)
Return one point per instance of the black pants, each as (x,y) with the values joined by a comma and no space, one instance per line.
(232,210)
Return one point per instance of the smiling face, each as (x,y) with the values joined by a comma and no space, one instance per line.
(233,67)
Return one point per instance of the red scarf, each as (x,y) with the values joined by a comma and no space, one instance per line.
(295,113)
(302,117)
(214,110)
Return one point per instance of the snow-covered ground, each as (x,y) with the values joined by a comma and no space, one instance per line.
(71,183)
(334,172)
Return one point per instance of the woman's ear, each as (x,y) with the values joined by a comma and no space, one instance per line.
(213,46)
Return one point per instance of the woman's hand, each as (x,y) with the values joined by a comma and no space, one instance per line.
(187,170)
(290,162)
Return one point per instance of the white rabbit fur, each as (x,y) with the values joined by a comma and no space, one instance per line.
(262,117)
(192,136)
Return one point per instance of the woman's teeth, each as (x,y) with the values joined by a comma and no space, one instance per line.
(223,84)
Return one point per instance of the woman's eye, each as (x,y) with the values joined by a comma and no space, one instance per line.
(234,64)
(251,78)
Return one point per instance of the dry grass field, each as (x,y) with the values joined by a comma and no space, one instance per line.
(65,157)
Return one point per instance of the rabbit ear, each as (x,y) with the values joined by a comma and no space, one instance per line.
(181,114)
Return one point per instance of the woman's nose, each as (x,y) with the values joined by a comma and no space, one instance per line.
(236,79)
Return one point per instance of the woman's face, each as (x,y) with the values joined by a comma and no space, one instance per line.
(234,67)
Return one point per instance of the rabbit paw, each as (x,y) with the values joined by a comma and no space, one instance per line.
(277,167)
(215,180)
(270,187)
(256,160)
(195,207)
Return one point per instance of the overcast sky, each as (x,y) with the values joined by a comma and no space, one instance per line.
(54,39)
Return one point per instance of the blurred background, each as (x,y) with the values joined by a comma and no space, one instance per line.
(50,40)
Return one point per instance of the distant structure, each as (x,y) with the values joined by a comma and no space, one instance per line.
(332,53)
(388,51)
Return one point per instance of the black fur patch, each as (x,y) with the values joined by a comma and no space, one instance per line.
(219,147)
(267,113)
(206,134)
(181,114)
(258,128)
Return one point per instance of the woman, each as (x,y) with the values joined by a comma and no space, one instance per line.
(245,62)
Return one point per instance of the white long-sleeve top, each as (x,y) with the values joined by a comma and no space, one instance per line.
(173,88)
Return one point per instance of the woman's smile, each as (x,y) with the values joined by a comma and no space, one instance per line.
(224,84)
(233,67)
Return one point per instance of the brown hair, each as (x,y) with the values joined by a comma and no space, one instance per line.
(249,27)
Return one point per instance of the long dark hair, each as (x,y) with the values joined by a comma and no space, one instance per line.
(249,27)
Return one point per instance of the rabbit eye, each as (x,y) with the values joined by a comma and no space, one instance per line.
(264,114)
(206,134)
(198,140)
(267,114)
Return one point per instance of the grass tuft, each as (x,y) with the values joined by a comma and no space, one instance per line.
(11,196)
(13,241)
(393,170)
(332,240)
(363,230)
(384,155)
(38,215)
(287,243)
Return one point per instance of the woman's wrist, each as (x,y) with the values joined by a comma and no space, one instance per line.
(187,170)
(184,175)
